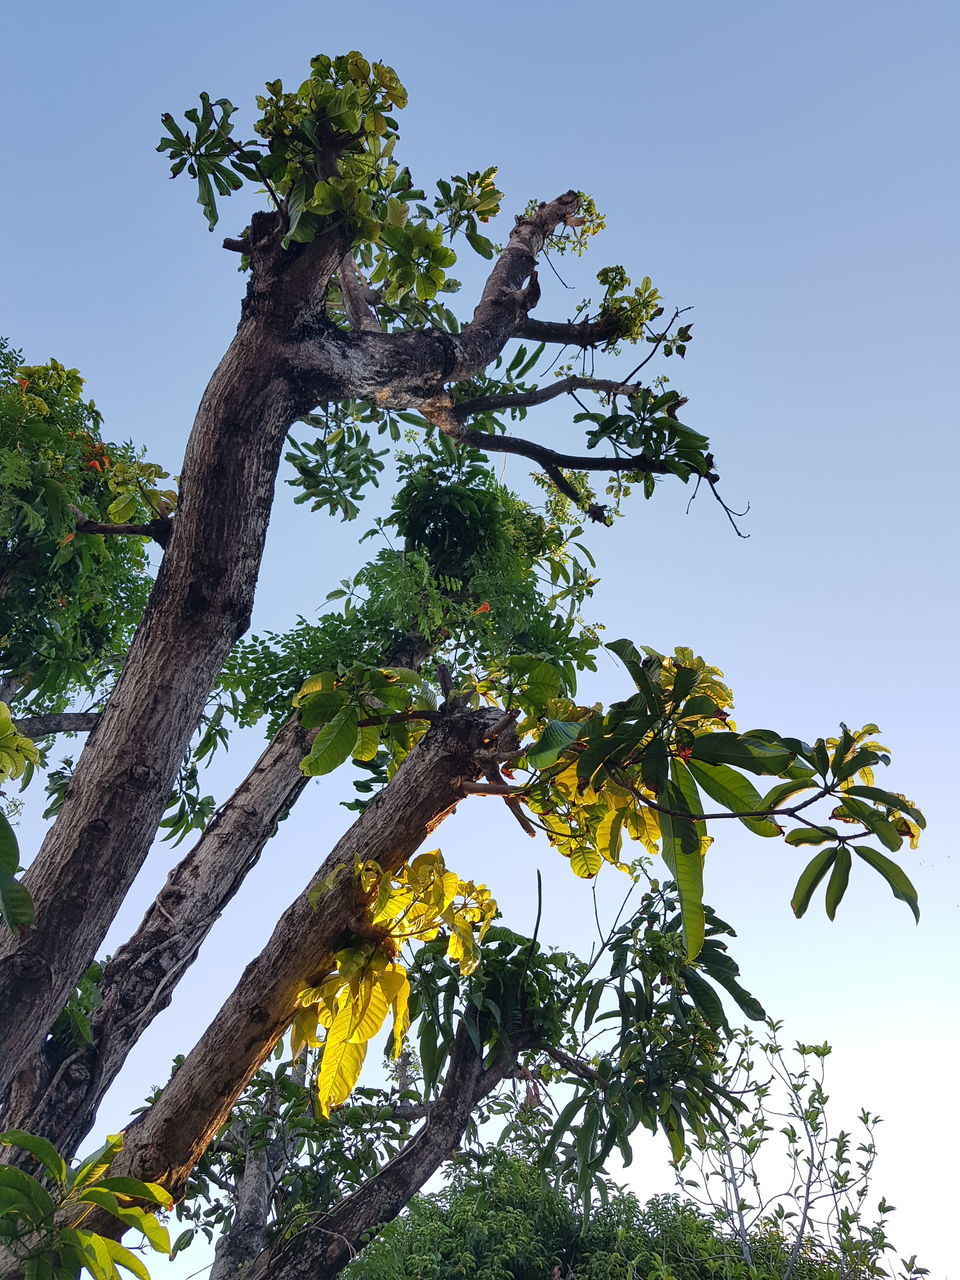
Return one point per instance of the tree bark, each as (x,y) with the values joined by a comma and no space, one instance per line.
(199,606)
(164,1143)
(58,1090)
(322,1249)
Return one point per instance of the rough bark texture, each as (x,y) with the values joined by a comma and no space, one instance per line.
(165,1142)
(57,1092)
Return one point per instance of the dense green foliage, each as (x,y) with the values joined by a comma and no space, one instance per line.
(68,603)
(499,1220)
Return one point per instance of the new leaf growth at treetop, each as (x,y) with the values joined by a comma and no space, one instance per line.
(446,674)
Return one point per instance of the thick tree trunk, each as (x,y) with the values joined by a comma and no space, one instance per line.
(200,604)
(57,1092)
(165,1142)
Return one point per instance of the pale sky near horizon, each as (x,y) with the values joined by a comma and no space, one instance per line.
(790,171)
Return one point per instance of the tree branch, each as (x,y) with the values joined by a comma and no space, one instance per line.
(355,301)
(165,1141)
(321,1250)
(159,529)
(57,722)
(550,391)
(583,333)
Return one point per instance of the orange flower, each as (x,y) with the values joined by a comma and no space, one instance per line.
(484,608)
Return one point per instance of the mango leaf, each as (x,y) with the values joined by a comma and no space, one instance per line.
(16,905)
(784,790)
(9,849)
(122,1257)
(742,751)
(333,744)
(810,877)
(553,741)
(33,1200)
(889,799)
(706,999)
(681,852)
(134,1189)
(735,793)
(41,1149)
(341,1063)
(811,835)
(881,827)
(895,877)
(837,884)
(368,742)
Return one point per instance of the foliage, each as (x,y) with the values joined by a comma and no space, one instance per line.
(821,1212)
(499,1219)
(41,1215)
(68,604)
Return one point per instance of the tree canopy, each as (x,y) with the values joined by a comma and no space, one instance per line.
(446,673)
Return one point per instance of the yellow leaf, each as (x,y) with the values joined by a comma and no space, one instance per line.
(371,1009)
(341,1062)
(303,1032)
(608,835)
(585,861)
(315,684)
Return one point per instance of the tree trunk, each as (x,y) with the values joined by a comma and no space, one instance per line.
(165,1142)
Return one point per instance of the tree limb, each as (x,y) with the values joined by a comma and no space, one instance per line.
(550,391)
(583,333)
(322,1249)
(57,722)
(159,529)
(164,1142)
(355,303)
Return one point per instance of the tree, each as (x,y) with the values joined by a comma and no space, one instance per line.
(345,329)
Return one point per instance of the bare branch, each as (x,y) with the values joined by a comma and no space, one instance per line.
(159,529)
(60,722)
(550,391)
(583,333)
(504,302)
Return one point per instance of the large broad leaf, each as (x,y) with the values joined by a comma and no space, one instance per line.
(742,752)
(556,737)
(706,999)
(16,905)
(734,792)
(41,1149)
(9,850)
(585,861)
(681,852)
(333,744)
(895,877)
(317,709)
(341,1063)
(890,800)
(810,877)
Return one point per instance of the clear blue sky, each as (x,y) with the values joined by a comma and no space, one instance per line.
(790,171)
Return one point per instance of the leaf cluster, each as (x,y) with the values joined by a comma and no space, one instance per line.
(40,1215)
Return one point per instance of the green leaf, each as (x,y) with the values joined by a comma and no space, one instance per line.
(16,905)
(553,741)
(811,835)
(9,849)
(37,1205)
(295,204)
(318,709)
(742,751)
(124,1258)
(894,875)
(368,742)
(705,998)
(734,792)
(681,852)
(333,744)
(41,1149)
(890,800)
(810,877)
(872,818)
(152,1192)
(839,878)
(784,790)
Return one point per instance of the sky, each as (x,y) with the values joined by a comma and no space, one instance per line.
(786,170)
